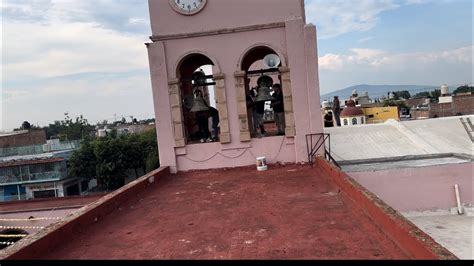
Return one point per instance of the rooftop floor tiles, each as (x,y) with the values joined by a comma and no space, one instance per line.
(287,212)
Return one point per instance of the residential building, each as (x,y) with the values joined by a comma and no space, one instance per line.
(375,115)
(37,171)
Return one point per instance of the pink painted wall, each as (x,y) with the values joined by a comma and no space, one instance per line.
(215,155)
(295,43)
(161,103)
(221,14)
(419,189)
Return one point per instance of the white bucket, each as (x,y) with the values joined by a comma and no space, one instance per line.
(262,164)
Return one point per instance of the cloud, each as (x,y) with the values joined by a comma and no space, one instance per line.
(99,99)
(363,40)
(81,56)
(372,66)
(73,48)
(109,14)
(337,17)
(378,58)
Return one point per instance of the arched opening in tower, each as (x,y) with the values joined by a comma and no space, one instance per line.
(265,110)
(199,108)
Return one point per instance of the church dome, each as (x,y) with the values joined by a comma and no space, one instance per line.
(351,110)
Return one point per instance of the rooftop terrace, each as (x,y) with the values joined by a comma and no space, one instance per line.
(288,212)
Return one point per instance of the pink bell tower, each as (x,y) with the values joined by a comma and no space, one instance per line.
(228,40)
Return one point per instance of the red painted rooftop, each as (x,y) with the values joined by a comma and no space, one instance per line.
(351,110)
(287,212)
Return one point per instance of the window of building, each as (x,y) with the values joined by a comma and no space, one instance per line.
(73,190)
(84,185)
(354,121)
(49,167)
(44,194)
(345,122)
(362,120)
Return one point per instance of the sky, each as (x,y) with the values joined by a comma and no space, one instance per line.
(88,56)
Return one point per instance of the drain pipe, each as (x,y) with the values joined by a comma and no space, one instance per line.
(458,199)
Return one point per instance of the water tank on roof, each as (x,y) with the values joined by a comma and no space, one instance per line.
(444,90)
(391,95)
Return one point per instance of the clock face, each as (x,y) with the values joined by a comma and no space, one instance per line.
(187,7)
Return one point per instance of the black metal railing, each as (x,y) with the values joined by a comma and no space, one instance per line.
(316,142)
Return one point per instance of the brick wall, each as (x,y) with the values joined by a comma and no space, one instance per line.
(32,137)
(462,105)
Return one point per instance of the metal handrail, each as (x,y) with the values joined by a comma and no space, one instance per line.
(314,146)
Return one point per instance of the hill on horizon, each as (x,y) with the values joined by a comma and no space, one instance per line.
(376,91)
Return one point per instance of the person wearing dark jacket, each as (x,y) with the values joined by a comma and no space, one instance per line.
(278,109)
(215,122)
(202,119)
(336,110)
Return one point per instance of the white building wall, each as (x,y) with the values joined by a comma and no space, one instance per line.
(348,121)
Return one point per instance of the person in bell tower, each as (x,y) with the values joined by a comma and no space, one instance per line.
(278,109)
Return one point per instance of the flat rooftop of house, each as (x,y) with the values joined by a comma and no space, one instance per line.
(403,162)
(5,134)
(287,212)
(47,204)
(33,157)
(393,139)
(32,216)
(453,231)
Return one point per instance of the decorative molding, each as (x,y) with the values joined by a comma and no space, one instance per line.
(219,76)
(173,81)
(239,74)
(284,69)
(242,106)
(221,99)
(157,38)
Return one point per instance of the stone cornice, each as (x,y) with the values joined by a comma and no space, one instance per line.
(157,38)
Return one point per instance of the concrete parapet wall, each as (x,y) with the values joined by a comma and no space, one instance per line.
(46,241)
(402,232)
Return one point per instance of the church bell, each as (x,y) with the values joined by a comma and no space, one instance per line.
(264,85)
(199,104)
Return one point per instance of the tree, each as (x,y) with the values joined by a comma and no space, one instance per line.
(399,104)
(69,129)
(83,162)
(435,94)
(152,162)
(25,125)
(109,157)
(464,89)
(402,94)
(424,94)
